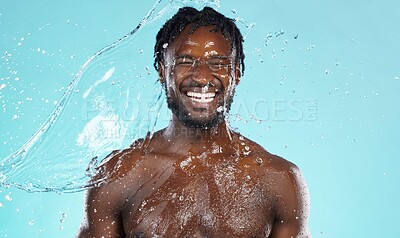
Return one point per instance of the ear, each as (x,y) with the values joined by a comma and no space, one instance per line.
(161,72)
(238,73)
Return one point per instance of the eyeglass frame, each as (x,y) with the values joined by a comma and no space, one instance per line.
(193,63)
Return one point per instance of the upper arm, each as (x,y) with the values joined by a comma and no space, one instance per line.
(292,206)
(104,202)
(101,216)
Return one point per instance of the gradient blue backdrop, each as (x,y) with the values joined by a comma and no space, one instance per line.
(322,76)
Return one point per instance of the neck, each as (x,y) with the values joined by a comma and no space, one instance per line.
(178,132)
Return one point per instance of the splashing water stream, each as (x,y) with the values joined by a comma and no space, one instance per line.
(113,100)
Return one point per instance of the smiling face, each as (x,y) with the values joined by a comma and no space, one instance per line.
(199,73)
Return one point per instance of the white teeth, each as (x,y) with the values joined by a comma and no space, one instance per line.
(201,97)
(206,100)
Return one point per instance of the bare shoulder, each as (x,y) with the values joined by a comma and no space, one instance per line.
(285,174)
(286,184)
(107,194)
(113,174)
(264,159)
(119,162)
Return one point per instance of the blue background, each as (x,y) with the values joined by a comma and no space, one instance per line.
(322,77)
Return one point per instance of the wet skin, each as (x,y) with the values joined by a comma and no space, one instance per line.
(197,182)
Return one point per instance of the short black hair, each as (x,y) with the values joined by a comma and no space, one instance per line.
(205,17)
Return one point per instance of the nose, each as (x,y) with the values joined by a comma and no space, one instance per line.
(202,74)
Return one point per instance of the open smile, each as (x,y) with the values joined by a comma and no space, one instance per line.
(201,97)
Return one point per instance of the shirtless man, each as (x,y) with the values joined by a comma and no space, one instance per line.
(197,178)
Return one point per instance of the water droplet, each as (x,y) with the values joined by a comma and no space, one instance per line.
(63,216)
(181,198)
(8,198)
(279,33)
(259,160)
(238,117)
(186,162)
(165,45)
(326,71)
(1,204)
(397,78)
(31,222)
(233,11)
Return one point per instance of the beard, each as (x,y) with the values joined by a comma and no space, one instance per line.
(212,119)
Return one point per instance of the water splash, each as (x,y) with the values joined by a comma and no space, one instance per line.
(112,100)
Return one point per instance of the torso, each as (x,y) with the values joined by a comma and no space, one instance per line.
(217,194)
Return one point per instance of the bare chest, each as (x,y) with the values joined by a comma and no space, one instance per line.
(190,200)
